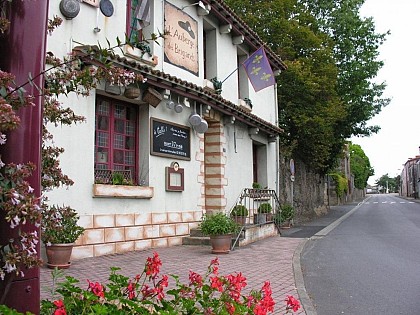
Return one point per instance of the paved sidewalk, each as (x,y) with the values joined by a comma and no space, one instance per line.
(276,259)
(270,259)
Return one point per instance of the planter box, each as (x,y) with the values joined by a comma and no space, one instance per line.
(122,191)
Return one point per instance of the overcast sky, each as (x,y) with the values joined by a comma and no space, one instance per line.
(399,137)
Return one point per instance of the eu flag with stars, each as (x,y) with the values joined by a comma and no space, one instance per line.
(258,69)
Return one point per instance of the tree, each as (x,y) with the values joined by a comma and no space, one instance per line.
(360,166)
(326,94)
(356,53)
(310,109)
(388,184)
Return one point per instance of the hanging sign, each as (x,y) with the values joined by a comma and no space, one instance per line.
(181,43)
(169,140)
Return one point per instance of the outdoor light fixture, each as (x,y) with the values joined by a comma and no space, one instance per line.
(202,9)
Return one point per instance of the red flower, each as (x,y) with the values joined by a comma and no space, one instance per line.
(153,265)
(292,303)
(230,308)
(216,283)
(131,291)
(213,268)
(196,279)
(97,289)
(238,281)
(163,283)
(146,291)
(59,304)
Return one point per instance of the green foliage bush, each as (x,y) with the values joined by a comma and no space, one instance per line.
(341,184)
(240,211)
(218,224)
(287,212)
(265,208)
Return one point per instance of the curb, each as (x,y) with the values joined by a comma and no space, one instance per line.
(305,300)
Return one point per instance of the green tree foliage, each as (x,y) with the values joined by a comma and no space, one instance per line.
(325,95)
(391,183)
(360,166)
(356,52)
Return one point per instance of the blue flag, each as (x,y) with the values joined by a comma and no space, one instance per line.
(258,69)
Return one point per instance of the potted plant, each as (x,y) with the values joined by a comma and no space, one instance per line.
(263,210)
(239,214)
(220,228)
(287,214)
(59,231)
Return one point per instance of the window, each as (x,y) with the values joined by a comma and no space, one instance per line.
(133,33)
(210,51)
(243,85)
(115,140)
(138,19)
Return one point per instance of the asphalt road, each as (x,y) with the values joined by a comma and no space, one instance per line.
(370,263)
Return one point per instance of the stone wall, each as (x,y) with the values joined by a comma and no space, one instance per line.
(309,190)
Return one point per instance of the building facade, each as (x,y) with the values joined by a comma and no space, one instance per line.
(410,178)
(147,167)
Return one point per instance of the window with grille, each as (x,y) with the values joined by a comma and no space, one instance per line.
(115,141)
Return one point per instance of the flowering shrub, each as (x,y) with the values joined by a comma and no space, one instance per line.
(59,225)
(210,293)
(19,205)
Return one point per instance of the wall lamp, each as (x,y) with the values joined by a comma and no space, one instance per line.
(202,9)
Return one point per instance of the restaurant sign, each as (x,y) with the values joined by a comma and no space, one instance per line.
(181,43)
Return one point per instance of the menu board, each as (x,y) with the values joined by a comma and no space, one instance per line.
(169,139)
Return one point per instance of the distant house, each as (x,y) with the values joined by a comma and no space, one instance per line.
(187,147)
(410,178)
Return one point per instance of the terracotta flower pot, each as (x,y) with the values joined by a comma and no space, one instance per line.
(221,243)
(58,255)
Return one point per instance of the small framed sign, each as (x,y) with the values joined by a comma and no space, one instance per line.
(174,177)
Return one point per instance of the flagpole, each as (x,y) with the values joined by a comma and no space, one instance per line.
(230,74)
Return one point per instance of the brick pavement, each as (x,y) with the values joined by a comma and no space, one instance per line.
(269,259)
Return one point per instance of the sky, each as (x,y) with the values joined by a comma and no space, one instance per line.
(399,137)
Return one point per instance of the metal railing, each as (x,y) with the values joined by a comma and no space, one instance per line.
(261,206)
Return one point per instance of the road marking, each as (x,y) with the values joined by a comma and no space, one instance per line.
(384,201)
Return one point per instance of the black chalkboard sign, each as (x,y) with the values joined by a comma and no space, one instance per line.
(169,140)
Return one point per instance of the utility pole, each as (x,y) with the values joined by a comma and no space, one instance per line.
(22,53)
